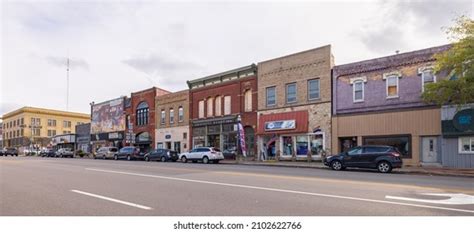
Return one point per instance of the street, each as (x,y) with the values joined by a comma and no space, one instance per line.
(32,186)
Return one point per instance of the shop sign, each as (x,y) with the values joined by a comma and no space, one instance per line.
(280,125)
(464,120)
(168,136)
(113,135)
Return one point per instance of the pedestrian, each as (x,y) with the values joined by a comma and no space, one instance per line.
(263,152)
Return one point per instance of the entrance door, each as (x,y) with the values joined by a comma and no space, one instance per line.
(177,147)
(168,145)
(430,150)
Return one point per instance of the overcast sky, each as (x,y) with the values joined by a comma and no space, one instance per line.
(121,47)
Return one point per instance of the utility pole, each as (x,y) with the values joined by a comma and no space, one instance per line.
(67,88)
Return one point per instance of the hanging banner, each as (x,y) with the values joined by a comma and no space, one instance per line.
(243,147)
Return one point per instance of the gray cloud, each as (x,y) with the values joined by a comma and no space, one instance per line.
(73,62)
(427,17)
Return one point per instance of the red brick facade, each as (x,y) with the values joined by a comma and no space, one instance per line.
(148,96)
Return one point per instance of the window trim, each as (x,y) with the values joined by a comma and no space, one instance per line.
(248,102)
(319,89)
(230,105)
(171,116)
(460,151)
(218,107)
(286,93)
(201,109)
(422,71)
(354,91)
(386,87)
(266,96)
(163,117)
(180,114)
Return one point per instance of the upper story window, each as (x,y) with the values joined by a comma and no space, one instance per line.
(227,105)
(358,89)
(218,105)
(22,122)
(391,82)
(313,89)
(142,113)
(210,107)
(163,116)
(171,116)
(427,76)
(67,124)
(35,121)
(201,109)
(271,96)
(180,114)
(248,100)
(291,93)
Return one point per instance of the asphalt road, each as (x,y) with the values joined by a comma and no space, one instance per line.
(78,187)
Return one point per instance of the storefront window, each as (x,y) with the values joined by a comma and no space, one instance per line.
(213,129)
(402,143)
(287,145)
(316,144)
(230,143)
(302,145)
(228,127)
(198,141)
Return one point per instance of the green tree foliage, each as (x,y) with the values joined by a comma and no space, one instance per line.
(458,87)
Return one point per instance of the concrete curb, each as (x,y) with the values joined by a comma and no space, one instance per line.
(398,171)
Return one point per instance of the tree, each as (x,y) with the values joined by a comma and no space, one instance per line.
(458,61)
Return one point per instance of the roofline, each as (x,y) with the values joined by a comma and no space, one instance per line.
(293,54)
(391,56)
(105,101)
(148,89)
(45,111)
(243,68)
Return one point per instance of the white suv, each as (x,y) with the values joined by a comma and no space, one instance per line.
(204,154)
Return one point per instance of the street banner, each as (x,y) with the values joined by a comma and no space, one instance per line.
(243,147)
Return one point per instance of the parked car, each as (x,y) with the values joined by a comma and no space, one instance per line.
(10,151)
(48,153)
(2,151)
(65,152)
(162,155)
(129,153)
(107,152)
(382,158)
(204,154)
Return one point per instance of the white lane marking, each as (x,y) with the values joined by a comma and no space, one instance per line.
(282,190)
(112,200)
(454,198)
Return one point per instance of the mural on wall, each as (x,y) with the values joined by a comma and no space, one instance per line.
(108,117)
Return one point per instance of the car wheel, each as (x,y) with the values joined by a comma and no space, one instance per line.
(184,159)
(115,157)
(163,159)
(205,160)
(147,158)
(336,165)
(129,158)
(104,158)
(384,167)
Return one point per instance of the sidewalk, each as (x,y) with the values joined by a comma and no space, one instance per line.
(432,171)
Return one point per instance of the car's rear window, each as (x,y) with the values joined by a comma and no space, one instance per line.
(215,149)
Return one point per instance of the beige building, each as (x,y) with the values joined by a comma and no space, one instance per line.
(172,121)
(294,105)
(35,126)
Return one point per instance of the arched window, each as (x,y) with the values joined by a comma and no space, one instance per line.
(180,114)
(142,113)
(248,100)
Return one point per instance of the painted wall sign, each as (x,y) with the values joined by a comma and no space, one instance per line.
(280,125)
(464,120)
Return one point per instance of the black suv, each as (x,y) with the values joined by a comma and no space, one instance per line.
(10,151)
(382,158)
(162,155)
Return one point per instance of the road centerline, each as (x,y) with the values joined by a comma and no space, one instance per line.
(112,199)
(282,190)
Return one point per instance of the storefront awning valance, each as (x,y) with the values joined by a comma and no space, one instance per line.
(214,121)
(283,123)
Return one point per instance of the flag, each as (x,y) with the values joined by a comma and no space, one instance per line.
(243,147)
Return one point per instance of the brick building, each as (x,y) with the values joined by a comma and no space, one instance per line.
(140,117)
(294,105)
(378,101)
(217,103)
(172,121)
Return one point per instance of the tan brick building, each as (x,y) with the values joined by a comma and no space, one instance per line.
(294,105)
(172,121)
